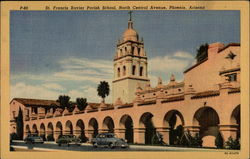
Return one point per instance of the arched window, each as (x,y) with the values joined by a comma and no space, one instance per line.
(133,48)
(141,71)
(118,72)
(124,70)
(133,70)
(139,49)
(120,52)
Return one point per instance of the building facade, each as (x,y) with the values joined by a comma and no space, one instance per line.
(206,102)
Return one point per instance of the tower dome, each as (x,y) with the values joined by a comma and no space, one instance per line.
(130,33)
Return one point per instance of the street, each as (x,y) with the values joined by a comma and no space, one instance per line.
(52,146)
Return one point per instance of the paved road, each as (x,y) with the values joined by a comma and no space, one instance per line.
(51,146)
(83,147)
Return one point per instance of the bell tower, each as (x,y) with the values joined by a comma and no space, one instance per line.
(130,65)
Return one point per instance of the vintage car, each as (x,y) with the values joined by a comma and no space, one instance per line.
(110,140)
(33,139)
(69,140)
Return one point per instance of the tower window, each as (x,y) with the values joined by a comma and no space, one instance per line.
(141,71)
(124,70)
(120,52)
(139,49)
(126,49)
(118,72)
(133,48)
(133,70)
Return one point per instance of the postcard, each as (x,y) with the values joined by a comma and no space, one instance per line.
(137,79)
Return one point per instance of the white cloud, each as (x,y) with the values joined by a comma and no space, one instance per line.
(170,63)
(53,86)
(182,54)
(23,90)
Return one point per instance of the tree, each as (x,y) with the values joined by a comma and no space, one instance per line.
(233,143)
(103,89)
(81,103)
(202,52)
(19,124)
(65,103)
(219,141)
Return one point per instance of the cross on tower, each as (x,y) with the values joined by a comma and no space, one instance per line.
(130,15)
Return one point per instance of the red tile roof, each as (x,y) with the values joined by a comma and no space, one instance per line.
(36,102)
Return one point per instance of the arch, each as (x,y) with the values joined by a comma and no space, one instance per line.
(59,129)
(27,130)
(126,123)
(235,119)
(108,124)
(42,131)
(174,120)
(50,131)
(208,120)
(93,126)
(133,70)
(147,123)
(69,127)
(34,129)
(118,72)
(124,70)
(80,130)
(141,71)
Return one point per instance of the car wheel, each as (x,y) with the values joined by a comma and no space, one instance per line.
(95,145)
(111,145)
(59,144)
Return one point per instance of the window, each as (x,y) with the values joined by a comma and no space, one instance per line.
(179,90)
(133,48)
(139,49)
(118,72)
(34,110)
(232,77)
(124,70)
(133,70)
(141,71)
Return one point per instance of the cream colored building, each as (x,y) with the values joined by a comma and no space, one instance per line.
(130,66)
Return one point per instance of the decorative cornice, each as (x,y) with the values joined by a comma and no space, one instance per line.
(230,70)
(129,55)
(133,78)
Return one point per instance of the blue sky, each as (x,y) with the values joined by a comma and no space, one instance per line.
(69,52)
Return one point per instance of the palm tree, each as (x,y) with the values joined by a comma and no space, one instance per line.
(103,89)
(64,101)
(202,52)
(81,103)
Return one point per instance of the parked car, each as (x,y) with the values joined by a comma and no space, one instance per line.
(69,140)
(110,140)
(33,139)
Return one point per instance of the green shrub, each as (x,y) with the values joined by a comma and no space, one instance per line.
(219,141)
(188,140)
(50,137)
(83,138)
(233,143)
(13,136)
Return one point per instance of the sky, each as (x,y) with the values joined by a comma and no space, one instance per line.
(56,53)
